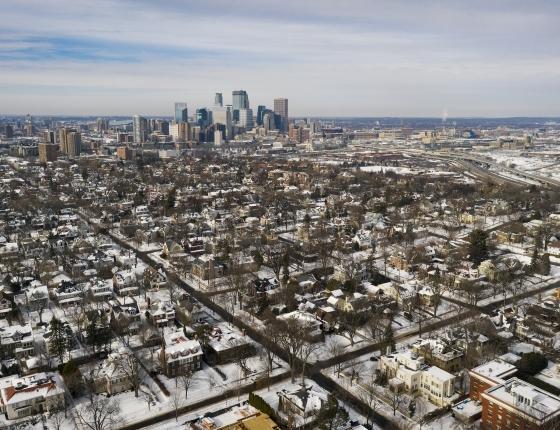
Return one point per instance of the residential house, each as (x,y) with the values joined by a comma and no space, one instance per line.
(161,313)
(16,341)
(225,346)
(179,354)
(30,395)
(109,377)
(125,283)
(302,403)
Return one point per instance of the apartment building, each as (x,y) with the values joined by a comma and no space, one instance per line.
(488,375)
(518,405)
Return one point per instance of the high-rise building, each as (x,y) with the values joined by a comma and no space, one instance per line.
(73,143)
(139,128)
(48,152)
(125,153)
(102,124)
(222,115)
(218,137)
(195,133)
(8,131)
(48,137)
(62,140)
(260,114)
(218,100)
(179,131)
(246,118)
(202,117)
(240,99)
(281,109)
(181,112)
(162,127)
(268,120)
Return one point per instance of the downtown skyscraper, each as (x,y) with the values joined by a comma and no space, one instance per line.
(181,112)
(281,110)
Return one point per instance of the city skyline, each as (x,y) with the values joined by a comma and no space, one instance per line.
(369,59)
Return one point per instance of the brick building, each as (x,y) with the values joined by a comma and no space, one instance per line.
(48,152)
(518,405)
(488,375)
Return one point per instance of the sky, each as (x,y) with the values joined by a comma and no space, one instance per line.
(328,57)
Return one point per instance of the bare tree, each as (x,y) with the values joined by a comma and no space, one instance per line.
(57,417)
(186,380)
(291,337)
(356,367)
(437,291)
(373,327)
(101,413)
(352,321)
(368,396)
(266,365)
(129,365)
(177,402)
(395,398)
(306,350)
(147,398)
(335,349)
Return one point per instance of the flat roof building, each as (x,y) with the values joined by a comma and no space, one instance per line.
(516,404)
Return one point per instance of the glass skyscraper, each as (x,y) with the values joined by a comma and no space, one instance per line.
(240,100)
(181,113)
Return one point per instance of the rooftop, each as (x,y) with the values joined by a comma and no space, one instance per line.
(533,401)
(496,370)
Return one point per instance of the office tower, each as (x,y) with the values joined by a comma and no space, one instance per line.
(281,109)
(8,131)
(202,117)
(62,140)
(139,129)
(218,137)
(162,127)
(246,118)
(222,115)
(152,125)
(240,99)
(48,152)
(28,129)
(47,136)
(181,112)
(218,100)
(195,133)
(260,114)
(179,131)
(73,143)
(101,125)
(268,121)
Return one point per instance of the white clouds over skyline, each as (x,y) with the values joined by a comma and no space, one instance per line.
(357,57)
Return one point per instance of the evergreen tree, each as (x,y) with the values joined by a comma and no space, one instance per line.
(59,341)
(286,267)
(388,336)
(478,248)
(545,264)
(534,261)
(98,331)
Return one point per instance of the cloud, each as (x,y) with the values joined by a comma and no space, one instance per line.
(359,57)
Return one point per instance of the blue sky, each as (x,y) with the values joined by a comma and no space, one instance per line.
(351,57)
